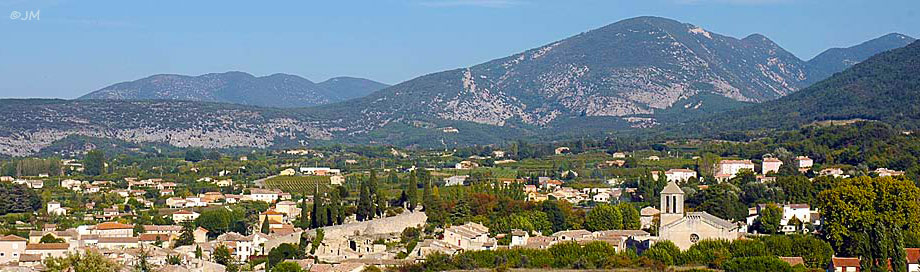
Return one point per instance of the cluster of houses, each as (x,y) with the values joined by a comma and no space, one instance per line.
(335,175)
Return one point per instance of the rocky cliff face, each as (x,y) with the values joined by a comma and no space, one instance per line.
(635,66)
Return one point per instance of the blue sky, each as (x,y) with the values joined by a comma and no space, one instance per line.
(75,47)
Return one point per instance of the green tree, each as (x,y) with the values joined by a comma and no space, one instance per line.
(282,252)
(222,255)
(287,267)
(412,192)
(90,261)
(94,163)
(867,217)
(318,216)
(50,239)
(216,221)
(769,220)
(194,155)
(317,240)
(555,214)
(266,227)
(631,218)
(665,252)
(188,235)
(304,220)
(604,217)
(757,264)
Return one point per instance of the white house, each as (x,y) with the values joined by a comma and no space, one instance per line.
(727,169)
(320,171)
(455,180)
(771,165)
(11,246)
(804,162)
(464,165)
(264,195)
(679,175)
(885,172)
(519,238)
(601,197)
(54,208)
(471,236)
(288,172)
(184,216)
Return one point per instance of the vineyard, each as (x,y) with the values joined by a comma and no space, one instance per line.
(298,184)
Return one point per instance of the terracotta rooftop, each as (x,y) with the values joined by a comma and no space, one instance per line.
(153,237)
(845,262)
(793,261)
(49,246)
(113,225)
(13,238)
(118,240)
(913,255)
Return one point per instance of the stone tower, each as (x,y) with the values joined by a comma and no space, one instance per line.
(672,203)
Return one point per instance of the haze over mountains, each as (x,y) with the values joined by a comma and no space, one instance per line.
(277,90)
(635,73)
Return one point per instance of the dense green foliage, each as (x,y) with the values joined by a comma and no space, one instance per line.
(867,217)
(741,255)
(17,198)
(885,87)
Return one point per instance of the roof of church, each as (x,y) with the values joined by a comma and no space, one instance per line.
(708,218)
(672,188)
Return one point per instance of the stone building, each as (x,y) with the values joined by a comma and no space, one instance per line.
(686,229)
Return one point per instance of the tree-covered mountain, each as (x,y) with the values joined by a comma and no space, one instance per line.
(277,90)
(885,88)
(838,59)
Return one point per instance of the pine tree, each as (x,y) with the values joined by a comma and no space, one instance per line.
(188,235)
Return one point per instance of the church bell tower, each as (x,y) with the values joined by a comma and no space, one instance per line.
(672,204)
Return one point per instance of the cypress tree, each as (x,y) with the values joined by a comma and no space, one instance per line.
(318,218)
(266,228)
(412,192)
(304,221)
(381,203)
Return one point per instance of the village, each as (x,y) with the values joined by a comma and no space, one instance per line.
(256,225)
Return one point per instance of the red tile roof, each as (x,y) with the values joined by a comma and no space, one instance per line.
(13,238)
(153,237)
(845,262)
(913,255)
(113,225)
(49,246)
(792,261)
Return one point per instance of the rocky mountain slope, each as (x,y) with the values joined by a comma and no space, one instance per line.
(277,90)
(637,73)
(635,66)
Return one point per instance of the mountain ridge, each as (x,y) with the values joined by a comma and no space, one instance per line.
(635,74)
(275,90)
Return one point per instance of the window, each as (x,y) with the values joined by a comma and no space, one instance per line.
(694,238)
